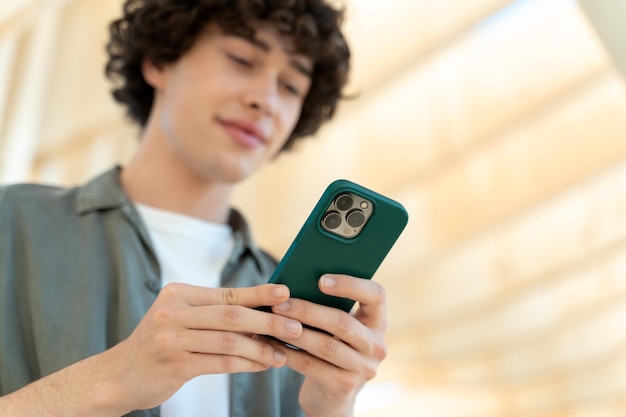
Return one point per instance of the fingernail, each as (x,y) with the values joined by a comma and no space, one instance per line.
(280,292)
(283,306)
(328,282)
(294,327)
(279,356)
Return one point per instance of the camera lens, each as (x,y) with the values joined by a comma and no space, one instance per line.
(356,218)
(332,220)
(344,202)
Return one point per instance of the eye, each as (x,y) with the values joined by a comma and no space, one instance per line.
(292,89)
(240,60)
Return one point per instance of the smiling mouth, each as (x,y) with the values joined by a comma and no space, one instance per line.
(245,134)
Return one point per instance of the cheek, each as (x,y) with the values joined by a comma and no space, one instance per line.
(284,129)
(290,119)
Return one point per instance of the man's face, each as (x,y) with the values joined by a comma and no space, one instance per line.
(229,104)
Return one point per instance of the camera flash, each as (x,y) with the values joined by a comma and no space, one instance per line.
(364,205)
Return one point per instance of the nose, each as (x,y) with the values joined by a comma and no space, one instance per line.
(262,94)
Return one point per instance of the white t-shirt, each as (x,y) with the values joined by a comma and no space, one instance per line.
(194,252)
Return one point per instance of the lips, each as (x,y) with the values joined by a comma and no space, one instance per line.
(246,133)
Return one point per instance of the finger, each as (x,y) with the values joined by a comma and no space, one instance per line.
(332,320)
(238,319)
(330,349)
(369,294)
(204,364)
(261,295)
(325,373)
(231,344)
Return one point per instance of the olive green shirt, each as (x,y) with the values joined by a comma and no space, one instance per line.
(77,274)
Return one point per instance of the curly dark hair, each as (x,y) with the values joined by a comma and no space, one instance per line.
(163,30)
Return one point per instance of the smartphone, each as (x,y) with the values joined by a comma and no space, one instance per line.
(350,231)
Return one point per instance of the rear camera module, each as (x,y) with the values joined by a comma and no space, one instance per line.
(347,214)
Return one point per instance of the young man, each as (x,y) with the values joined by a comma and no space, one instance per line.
(135,294)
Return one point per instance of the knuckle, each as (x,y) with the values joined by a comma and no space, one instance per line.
(229,296)
(165,342)
(260,292)
(303,310)
(273,323)
(306,364)
(230,315)
(170,290)
(266,351)
(347,383)
(352,283)
(228,341)
(164,315)
(380,294)
(346,325)
(369,372)
(330,346)
(228,364)
(375,292)
(380,351)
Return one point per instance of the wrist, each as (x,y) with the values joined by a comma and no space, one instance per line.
(327,413)
(81,389)
(327,407)
(91,387)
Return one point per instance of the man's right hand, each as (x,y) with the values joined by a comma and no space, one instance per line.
(188,331)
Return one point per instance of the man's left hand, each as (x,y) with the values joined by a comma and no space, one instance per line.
(337,365)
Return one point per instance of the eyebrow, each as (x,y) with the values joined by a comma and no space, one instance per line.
(295,63)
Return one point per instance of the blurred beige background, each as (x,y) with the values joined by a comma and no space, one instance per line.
(500,124)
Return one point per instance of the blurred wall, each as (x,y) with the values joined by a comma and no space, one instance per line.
(501,125)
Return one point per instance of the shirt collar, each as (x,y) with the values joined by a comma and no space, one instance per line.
(105,192)
(101,193)
(243,239)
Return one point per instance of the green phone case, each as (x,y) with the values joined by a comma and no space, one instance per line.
(316,251)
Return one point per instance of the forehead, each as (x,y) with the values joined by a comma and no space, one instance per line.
(267,36)
(265,30)
(268,39)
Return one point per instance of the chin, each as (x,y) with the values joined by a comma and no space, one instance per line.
(230,175)
(227,169)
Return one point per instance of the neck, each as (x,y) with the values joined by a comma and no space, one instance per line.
(154,179)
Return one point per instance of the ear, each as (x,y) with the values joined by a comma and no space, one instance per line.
(153,73)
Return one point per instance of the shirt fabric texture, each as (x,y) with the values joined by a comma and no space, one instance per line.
(78,272)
